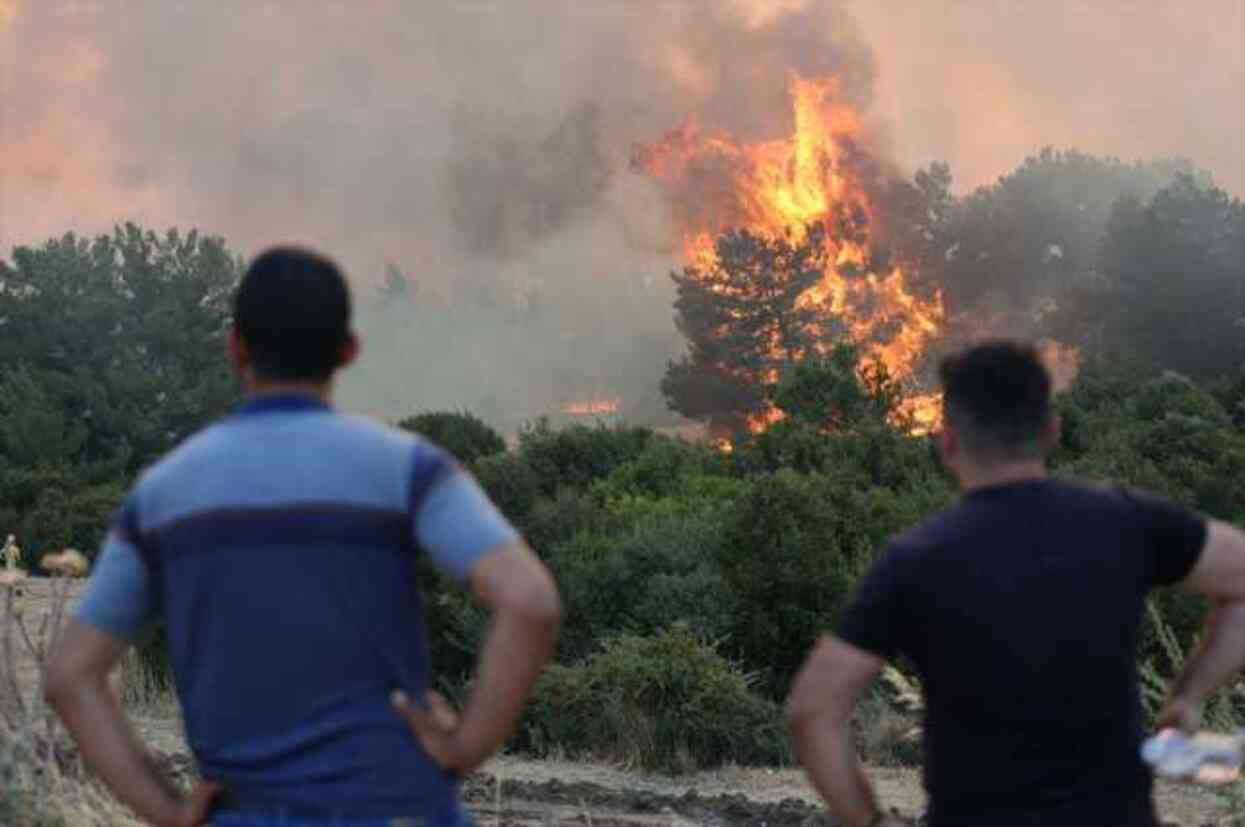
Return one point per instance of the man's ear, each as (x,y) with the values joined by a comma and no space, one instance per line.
(349,350)
(236,350)
(948,445)
(1048,438)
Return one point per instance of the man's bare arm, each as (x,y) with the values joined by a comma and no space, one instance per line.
(819,720)
(1220,575)
(526,612)
(76,685)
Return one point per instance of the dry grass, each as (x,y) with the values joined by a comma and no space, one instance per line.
(42,780)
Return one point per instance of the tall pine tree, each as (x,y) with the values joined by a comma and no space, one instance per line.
(744,325)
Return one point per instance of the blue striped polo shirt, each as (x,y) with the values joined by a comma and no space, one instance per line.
(278,547)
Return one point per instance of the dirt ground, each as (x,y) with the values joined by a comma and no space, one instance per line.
(517,791)
(513,791)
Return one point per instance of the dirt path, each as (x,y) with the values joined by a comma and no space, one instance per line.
(736,795)
(519,792)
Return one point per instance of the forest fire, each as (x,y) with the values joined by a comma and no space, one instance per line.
(596,407)
(780,188)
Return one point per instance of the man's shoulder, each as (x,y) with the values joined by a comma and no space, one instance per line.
(167,469)
(415,451)
(1088,491)
(927,536)
(365,431)
(319,456)
(357,436)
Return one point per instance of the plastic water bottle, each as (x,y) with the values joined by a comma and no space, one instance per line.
(1207,757)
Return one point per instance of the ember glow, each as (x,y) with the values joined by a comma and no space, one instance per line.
(785,185)
(598,407)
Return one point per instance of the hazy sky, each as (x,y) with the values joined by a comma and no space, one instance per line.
(982,83)
(487,142)
(404,131)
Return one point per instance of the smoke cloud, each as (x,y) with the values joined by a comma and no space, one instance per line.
(480,147)
(983,83)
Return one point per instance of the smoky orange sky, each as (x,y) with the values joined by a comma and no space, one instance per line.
(488,142)
(982,83)
(339,123)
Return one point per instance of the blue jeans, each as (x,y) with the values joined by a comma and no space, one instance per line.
(460,818)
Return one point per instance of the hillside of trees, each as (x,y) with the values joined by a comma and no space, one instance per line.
(695,579)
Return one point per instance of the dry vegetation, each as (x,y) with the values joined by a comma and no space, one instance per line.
(42,781)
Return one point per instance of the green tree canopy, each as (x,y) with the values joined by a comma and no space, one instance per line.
(110,353)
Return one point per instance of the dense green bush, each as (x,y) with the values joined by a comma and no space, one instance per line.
(511,483)
(454,629)
(578,454)
(668,702)
(657,571)
(793,548)
(462,434)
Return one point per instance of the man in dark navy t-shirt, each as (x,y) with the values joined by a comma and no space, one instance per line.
(1020,609)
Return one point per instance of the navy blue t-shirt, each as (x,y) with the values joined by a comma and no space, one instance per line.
(1020,608)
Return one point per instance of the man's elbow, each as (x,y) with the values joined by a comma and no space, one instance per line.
(800,711)
(536,601)
(58,682)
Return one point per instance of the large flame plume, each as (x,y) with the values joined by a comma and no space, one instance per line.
(784,186)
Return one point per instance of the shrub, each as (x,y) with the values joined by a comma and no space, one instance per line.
(462,434)
(666,702)
(662,468)
(793,548)
(576,455)
(511,483)
(558,519)
(658,570)
(872,453)
(454,629)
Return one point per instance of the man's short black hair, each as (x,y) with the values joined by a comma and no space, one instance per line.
(997,396)
(292,310)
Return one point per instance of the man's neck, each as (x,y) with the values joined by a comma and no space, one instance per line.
(1002,474)
(321,391)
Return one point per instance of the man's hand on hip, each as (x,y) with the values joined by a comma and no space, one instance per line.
(196,809)
(435,726)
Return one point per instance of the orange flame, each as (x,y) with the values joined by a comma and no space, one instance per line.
(8,12)
(785,185)
(595,407)
(1063,362)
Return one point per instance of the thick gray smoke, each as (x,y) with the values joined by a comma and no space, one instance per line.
(480,147)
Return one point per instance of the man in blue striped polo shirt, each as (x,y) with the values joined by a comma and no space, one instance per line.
(278,546)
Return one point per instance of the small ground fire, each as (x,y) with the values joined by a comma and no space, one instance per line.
(596,407)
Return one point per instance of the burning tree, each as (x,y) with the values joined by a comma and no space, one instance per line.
(790,252)
(744,321)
